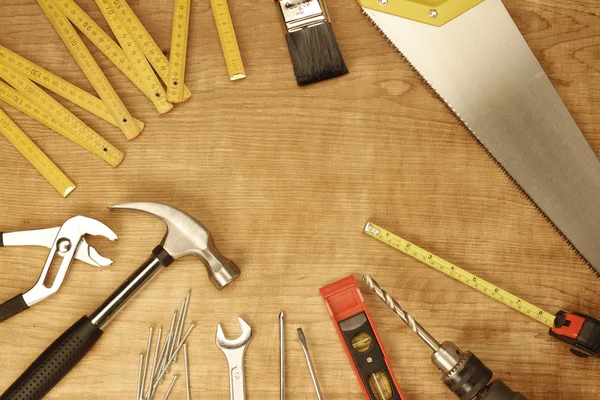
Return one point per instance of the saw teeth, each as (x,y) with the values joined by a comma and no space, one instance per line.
(466,126)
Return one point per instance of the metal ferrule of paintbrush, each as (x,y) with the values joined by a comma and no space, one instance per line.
(299,14)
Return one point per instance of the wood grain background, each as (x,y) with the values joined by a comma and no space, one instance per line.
(285,178)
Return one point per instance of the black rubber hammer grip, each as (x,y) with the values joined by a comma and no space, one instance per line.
(55,362)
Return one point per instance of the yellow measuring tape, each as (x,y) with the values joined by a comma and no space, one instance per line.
(77,131)
(460,274)
(57,85)
(231,50)
(35,156)
(151,50)
(91,69)
(100,39)
(152,85)
(179,43)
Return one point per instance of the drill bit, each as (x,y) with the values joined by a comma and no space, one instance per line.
(406,317)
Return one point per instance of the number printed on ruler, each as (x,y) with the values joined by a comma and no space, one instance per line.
(35,156)
(100,39)
(77,131)
(151,50)
(56,84)
(178,54)
(231,49)
(91,69)
(459,274)
(143,70)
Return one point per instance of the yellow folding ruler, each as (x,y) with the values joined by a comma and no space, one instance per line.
(57,85)
(75,129)
(35,156)
(100,39)
(231,50)
(151,50)
(178,54)
(460,274)
(144,71)
(91,69)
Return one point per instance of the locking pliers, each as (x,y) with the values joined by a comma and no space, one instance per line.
(66,241)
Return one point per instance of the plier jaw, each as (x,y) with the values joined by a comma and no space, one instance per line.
(67,241)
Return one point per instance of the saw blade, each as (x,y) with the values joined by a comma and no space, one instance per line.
(483,69)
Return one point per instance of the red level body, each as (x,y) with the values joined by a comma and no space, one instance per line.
(362,344)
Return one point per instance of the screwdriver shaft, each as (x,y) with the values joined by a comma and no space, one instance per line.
(406,317)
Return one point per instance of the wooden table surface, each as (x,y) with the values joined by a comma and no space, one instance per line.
(285,178)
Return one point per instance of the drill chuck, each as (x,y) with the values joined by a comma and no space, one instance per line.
(462,372)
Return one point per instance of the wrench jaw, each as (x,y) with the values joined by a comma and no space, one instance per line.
(225,344)
(235,350)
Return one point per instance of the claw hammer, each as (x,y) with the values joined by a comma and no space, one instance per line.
(185,237)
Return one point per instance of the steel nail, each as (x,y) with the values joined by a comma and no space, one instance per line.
(139,381)
(154,361)
(170,387)
(182,315)
(187,372)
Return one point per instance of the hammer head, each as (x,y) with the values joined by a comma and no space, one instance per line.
(187,237)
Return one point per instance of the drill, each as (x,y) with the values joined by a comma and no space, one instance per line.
(462,372)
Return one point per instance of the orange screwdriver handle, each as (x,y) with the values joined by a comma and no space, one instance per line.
(580,331)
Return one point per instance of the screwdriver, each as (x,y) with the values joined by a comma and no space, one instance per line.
(462,372)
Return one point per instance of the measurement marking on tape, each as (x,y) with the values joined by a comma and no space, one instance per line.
(151,50)
(91,69)
(78,131)
(100,39)
(460,274)
(57,85)
(178,54)
(35,156)
(152,85)
(229,43)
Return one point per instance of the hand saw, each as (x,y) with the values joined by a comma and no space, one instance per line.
(473,55)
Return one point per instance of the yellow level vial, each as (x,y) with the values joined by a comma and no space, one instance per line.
(151,50)
(100,39)
(150,82)
(91,69)
(57,85)
(178,54)
(231,50)
(35,156)
(77,131)
(460,274)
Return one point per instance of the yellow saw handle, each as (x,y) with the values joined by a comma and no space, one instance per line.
(431,12)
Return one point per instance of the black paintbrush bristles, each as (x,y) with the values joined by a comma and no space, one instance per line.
(315,54)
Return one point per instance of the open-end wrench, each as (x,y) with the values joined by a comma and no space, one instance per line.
(234,351)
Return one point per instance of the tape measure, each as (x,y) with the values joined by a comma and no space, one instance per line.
(152,86)
(151,50)
(35,156)
(100,39)
(178,55)
(77,131)
(91,69)
(460,274)
(231,50)
(57,85)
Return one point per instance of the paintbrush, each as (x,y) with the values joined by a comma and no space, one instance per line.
(314,50)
